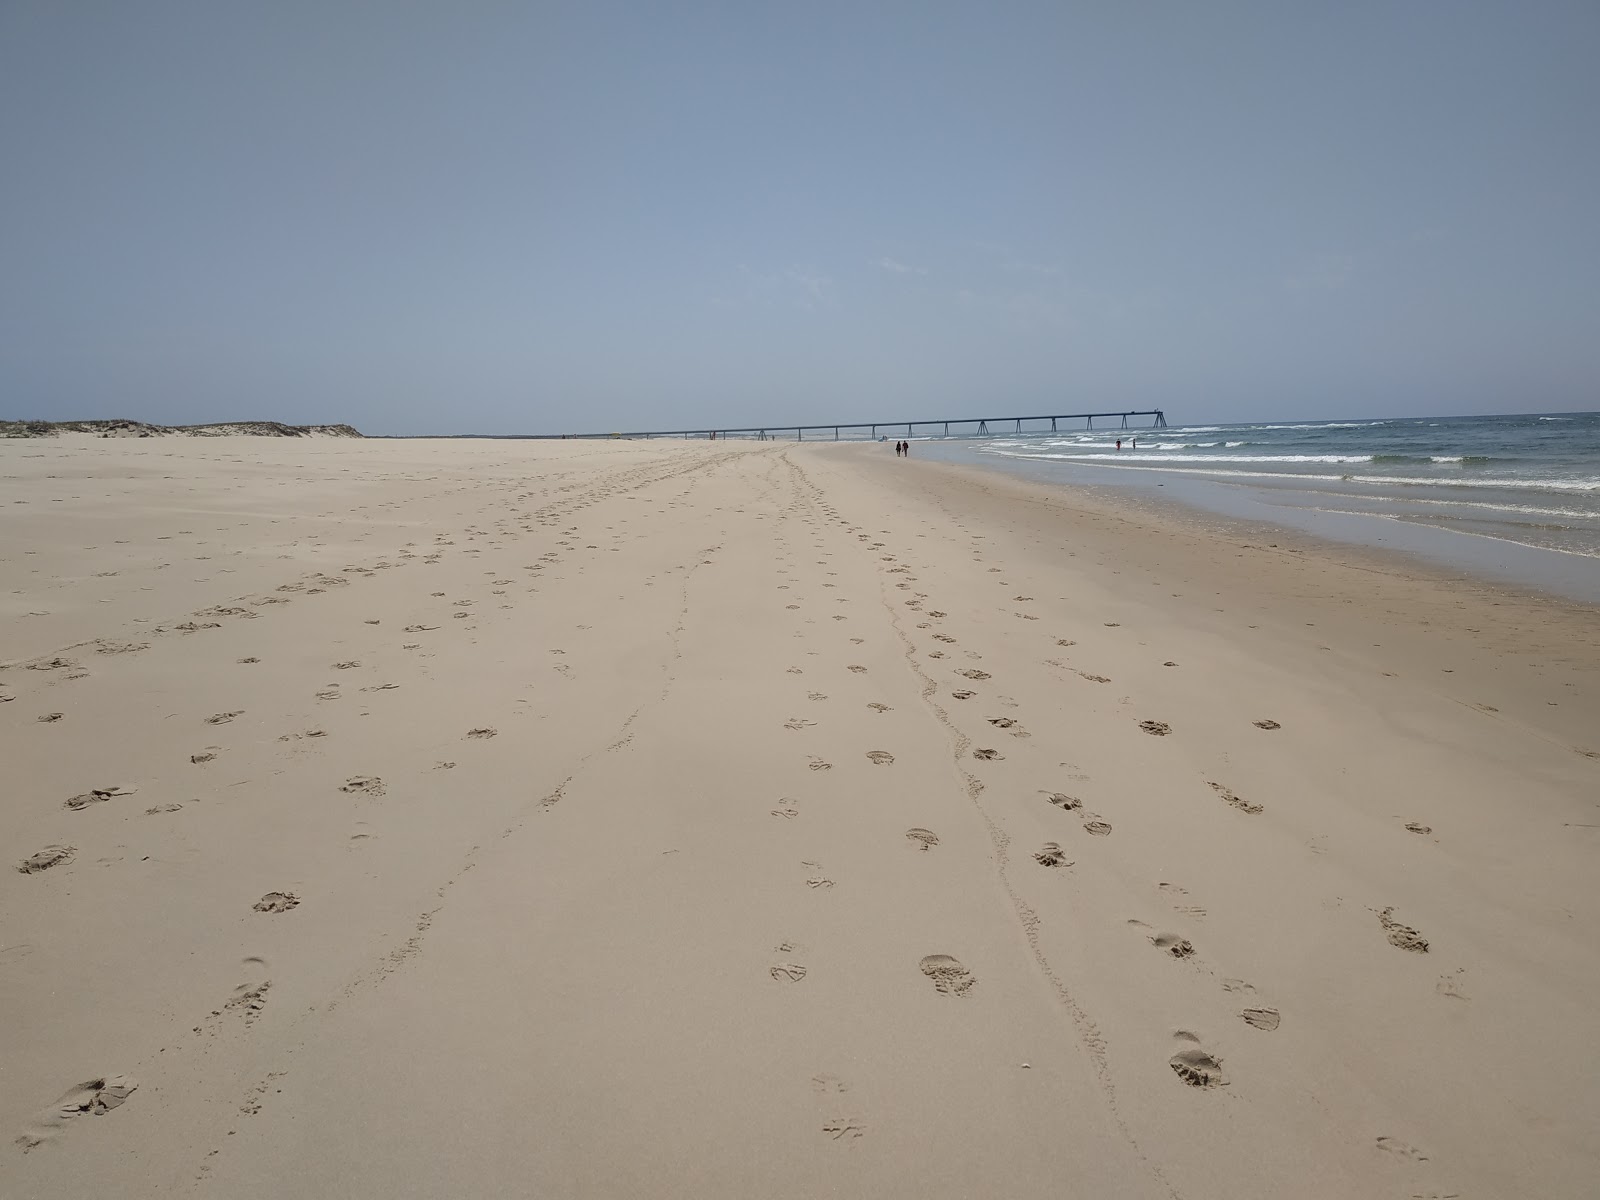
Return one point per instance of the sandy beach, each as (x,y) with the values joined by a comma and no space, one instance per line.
(479,818)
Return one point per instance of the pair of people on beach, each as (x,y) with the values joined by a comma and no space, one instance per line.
(902,449)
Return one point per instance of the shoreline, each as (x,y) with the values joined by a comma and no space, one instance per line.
(1572,575)
(728,819)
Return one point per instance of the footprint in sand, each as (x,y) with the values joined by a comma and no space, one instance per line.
(973,673)
(43,860)
(798,723)
(1268,724)
(368,785)
(859,670)
(250,997)
(482,734)
(224,717)
(1062,800)
(787,972)
(276,902)
(1262,1018)
(1050,855)
(926,839)
(1402,936)
(1195,1066)
(1400,1149)
(97,796)
(1234,801)
(51,718)
(819,764)
(1414,827)
(988,755)
(1171,943)
(1098,827)
(879,708)
(880,758)
(1009,724)
(949,977)
(95,1097)
(1155,728)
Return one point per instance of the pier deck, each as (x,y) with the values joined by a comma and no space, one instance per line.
(872,430)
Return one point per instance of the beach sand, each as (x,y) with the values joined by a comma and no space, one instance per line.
(425,818)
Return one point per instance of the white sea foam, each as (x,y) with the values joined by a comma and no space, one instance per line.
(1145,456)
(1530,510)
(1134,462)
(1324,425)
(1456,481)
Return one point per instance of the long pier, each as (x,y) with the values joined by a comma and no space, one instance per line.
(964,426)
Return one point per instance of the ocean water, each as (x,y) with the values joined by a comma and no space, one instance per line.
(1532,480)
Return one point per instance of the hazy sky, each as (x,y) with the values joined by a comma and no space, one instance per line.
(526,217)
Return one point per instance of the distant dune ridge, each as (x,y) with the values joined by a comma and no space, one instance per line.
(121,427)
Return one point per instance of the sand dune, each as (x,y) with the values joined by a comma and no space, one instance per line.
(687,819)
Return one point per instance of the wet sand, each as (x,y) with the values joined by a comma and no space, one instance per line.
(420,818)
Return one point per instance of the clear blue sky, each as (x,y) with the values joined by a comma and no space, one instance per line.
(518,217)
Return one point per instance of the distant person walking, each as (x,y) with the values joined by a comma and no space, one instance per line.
(1119,443)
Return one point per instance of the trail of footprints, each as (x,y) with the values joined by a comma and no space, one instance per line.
(1190,1062)
(249,1000)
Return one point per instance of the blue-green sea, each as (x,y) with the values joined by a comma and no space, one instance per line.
(1532,479)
